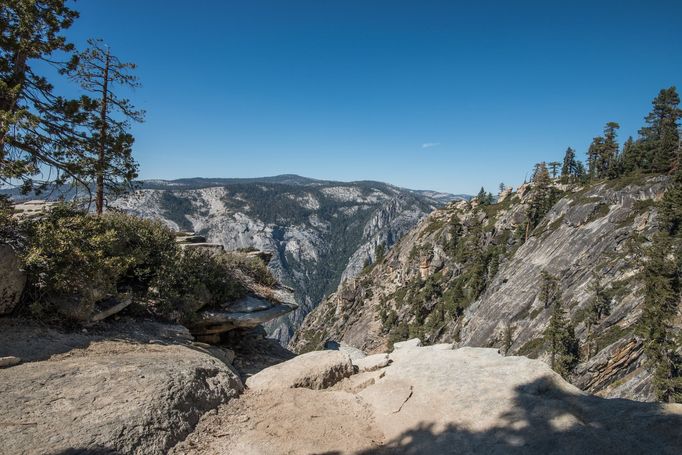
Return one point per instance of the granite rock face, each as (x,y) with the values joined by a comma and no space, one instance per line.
(584,240)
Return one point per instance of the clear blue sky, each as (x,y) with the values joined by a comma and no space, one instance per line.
(352,90)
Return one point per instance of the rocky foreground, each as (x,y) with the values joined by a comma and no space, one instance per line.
(148,389)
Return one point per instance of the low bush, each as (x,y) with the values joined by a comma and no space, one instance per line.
(73,260)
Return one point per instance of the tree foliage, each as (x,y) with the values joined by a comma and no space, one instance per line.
(660,137)
(46,138)
(75,260)
(107,157)
(36,125)
(542,197)
(563,345)
(661,277)
(559,334)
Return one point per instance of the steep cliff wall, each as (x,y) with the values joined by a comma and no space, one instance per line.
(316,231)
(468,274)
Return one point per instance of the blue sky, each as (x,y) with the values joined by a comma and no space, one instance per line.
(353,90)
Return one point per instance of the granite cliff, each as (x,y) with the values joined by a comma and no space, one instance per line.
(471,274)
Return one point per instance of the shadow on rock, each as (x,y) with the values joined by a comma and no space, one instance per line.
(545,420)
(89,451)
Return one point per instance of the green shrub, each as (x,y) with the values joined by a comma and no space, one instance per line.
(192,280)
(532,348)
(74,259)
(251,266)
(8,225)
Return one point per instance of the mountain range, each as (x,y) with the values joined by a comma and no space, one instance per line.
(319,232)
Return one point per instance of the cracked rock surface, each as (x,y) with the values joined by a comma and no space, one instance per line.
(438,400)
(130,388)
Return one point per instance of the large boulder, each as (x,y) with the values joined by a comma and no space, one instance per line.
(408,344)
(353,352)
(371,362)
(13,279)
(261,306)
(314,370)
(106,396)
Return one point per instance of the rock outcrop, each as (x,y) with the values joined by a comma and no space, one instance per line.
(314,370)
(438,400)
(262,306)
(132,388)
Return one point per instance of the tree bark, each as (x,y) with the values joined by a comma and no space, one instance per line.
(101,162)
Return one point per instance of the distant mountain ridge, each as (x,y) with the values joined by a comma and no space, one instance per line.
(205,182)
(319,232)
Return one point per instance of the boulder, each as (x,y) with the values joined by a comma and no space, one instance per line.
(13,279)
(409,344)
(9,361)
(218,321)
(353,353)
(371,362)
(250,304)
(313,370)
(110,397)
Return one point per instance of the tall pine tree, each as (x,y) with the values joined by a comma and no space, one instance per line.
(108,144)
(569,166)
(560,337)
(662,282)
(660,138)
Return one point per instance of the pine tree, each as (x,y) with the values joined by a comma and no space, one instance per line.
(661,277)
(661,296)
(594,157)
(660,137)
(602,155)
(580,172)
(632,158)
(108,142)
(508,338)
(549,289)
(554,168)
(599,306)
(481,196)
(36,126)
(610,150)
(563,345)
(542,197)
(569,166)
